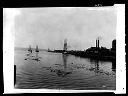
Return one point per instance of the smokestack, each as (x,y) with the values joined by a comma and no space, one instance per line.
(98,43)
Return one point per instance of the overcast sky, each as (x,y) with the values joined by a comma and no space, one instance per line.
(48,27)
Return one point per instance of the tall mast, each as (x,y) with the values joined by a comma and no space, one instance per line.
(29,48)
(65,45)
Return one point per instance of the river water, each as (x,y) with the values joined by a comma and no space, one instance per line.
(61,71)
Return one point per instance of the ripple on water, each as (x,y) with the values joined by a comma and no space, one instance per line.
(44,74)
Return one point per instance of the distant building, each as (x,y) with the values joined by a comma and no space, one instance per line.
(98,51)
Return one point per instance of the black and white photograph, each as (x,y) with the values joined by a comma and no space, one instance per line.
(65,48)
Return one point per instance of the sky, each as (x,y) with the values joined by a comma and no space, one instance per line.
(48,27)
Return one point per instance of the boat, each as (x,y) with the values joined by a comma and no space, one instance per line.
(30,49)
(37,50)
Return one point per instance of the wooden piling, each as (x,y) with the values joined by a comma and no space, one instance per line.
(14,75)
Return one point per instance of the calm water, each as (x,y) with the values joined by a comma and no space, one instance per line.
(59,71)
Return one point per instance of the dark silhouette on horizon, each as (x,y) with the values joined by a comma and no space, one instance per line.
(97,52)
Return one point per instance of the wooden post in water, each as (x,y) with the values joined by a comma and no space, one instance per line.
(14,75)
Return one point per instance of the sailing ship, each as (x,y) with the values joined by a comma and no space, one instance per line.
(37,50)
(30,49)
(65,47)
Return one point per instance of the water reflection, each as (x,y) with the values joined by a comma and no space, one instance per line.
(64,56)
(97,66)
(63,72)
(99,69)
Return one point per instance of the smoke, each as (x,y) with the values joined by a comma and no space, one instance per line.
(99,38)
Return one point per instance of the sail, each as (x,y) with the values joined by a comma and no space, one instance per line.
(37,50)
(30,49)
(65,45)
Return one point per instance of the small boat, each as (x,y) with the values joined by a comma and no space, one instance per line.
(30,49)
